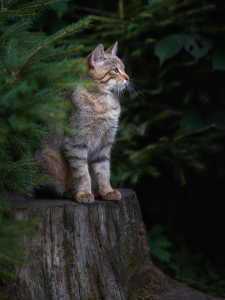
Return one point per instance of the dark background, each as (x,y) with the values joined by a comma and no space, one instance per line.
(179,181)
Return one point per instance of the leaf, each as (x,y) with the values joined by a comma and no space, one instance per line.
(161,254)
(142,128)
(156,229)
(152,171)
(169,46)
(187,272)
(162,242)
(218,60)
(213,275)
(197,45)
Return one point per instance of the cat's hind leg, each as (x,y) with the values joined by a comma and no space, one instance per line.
(52,164)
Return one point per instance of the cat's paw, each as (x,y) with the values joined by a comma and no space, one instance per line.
(112,195)
(80,197)
(95,192)
(85,197)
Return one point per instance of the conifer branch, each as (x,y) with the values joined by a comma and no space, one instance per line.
(76,70)
(3,130)
(108,19)
(30,183)
(31,175)
(2,187)
(184,3)
(4,152)
(31,36)
(10,258)
(11,4)
(19,187)
(32,41)
(194,132)
(21,103)
(18,140)
(22,152)
(3,42)
(54,104)
(56,36)
(50,114)
(40,4)
(24,164)
(3,262)
(51,55)
(36,130)
(92,10)
(14,15)
(47,94)
(7,273)
(72,84)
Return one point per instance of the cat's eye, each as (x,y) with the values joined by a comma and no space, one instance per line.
(116,70)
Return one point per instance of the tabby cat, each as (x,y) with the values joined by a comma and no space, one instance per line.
(79,166)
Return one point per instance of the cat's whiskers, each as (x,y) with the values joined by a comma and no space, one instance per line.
(136,90)
(132,93)
(121,97)
(125,57)
(136,86)
(120,93)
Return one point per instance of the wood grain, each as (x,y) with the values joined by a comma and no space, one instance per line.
(81,251)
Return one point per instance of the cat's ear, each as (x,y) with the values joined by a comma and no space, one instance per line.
(112,49)
(96,57)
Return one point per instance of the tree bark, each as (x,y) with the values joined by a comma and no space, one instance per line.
(94,251)
(162,287)
(81,251)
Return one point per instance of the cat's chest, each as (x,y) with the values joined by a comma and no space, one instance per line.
(103,110)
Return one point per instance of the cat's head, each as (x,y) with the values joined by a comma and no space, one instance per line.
(106,69)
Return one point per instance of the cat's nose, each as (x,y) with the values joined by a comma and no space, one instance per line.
(127,78)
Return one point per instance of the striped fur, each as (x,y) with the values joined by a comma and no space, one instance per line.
(79,166)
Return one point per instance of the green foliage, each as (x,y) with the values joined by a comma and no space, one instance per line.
(169,46)
(219,60)
(172,123)
(170,254)
(196,45)
(10,233)
(34,72)
(174,51)
(159,243)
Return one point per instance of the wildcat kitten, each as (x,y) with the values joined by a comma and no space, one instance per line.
(79,166)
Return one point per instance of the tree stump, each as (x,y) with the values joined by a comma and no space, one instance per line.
(94,251)
(79,251)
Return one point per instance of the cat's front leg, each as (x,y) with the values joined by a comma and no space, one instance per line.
(101,166)
(94,182)
(76,156)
